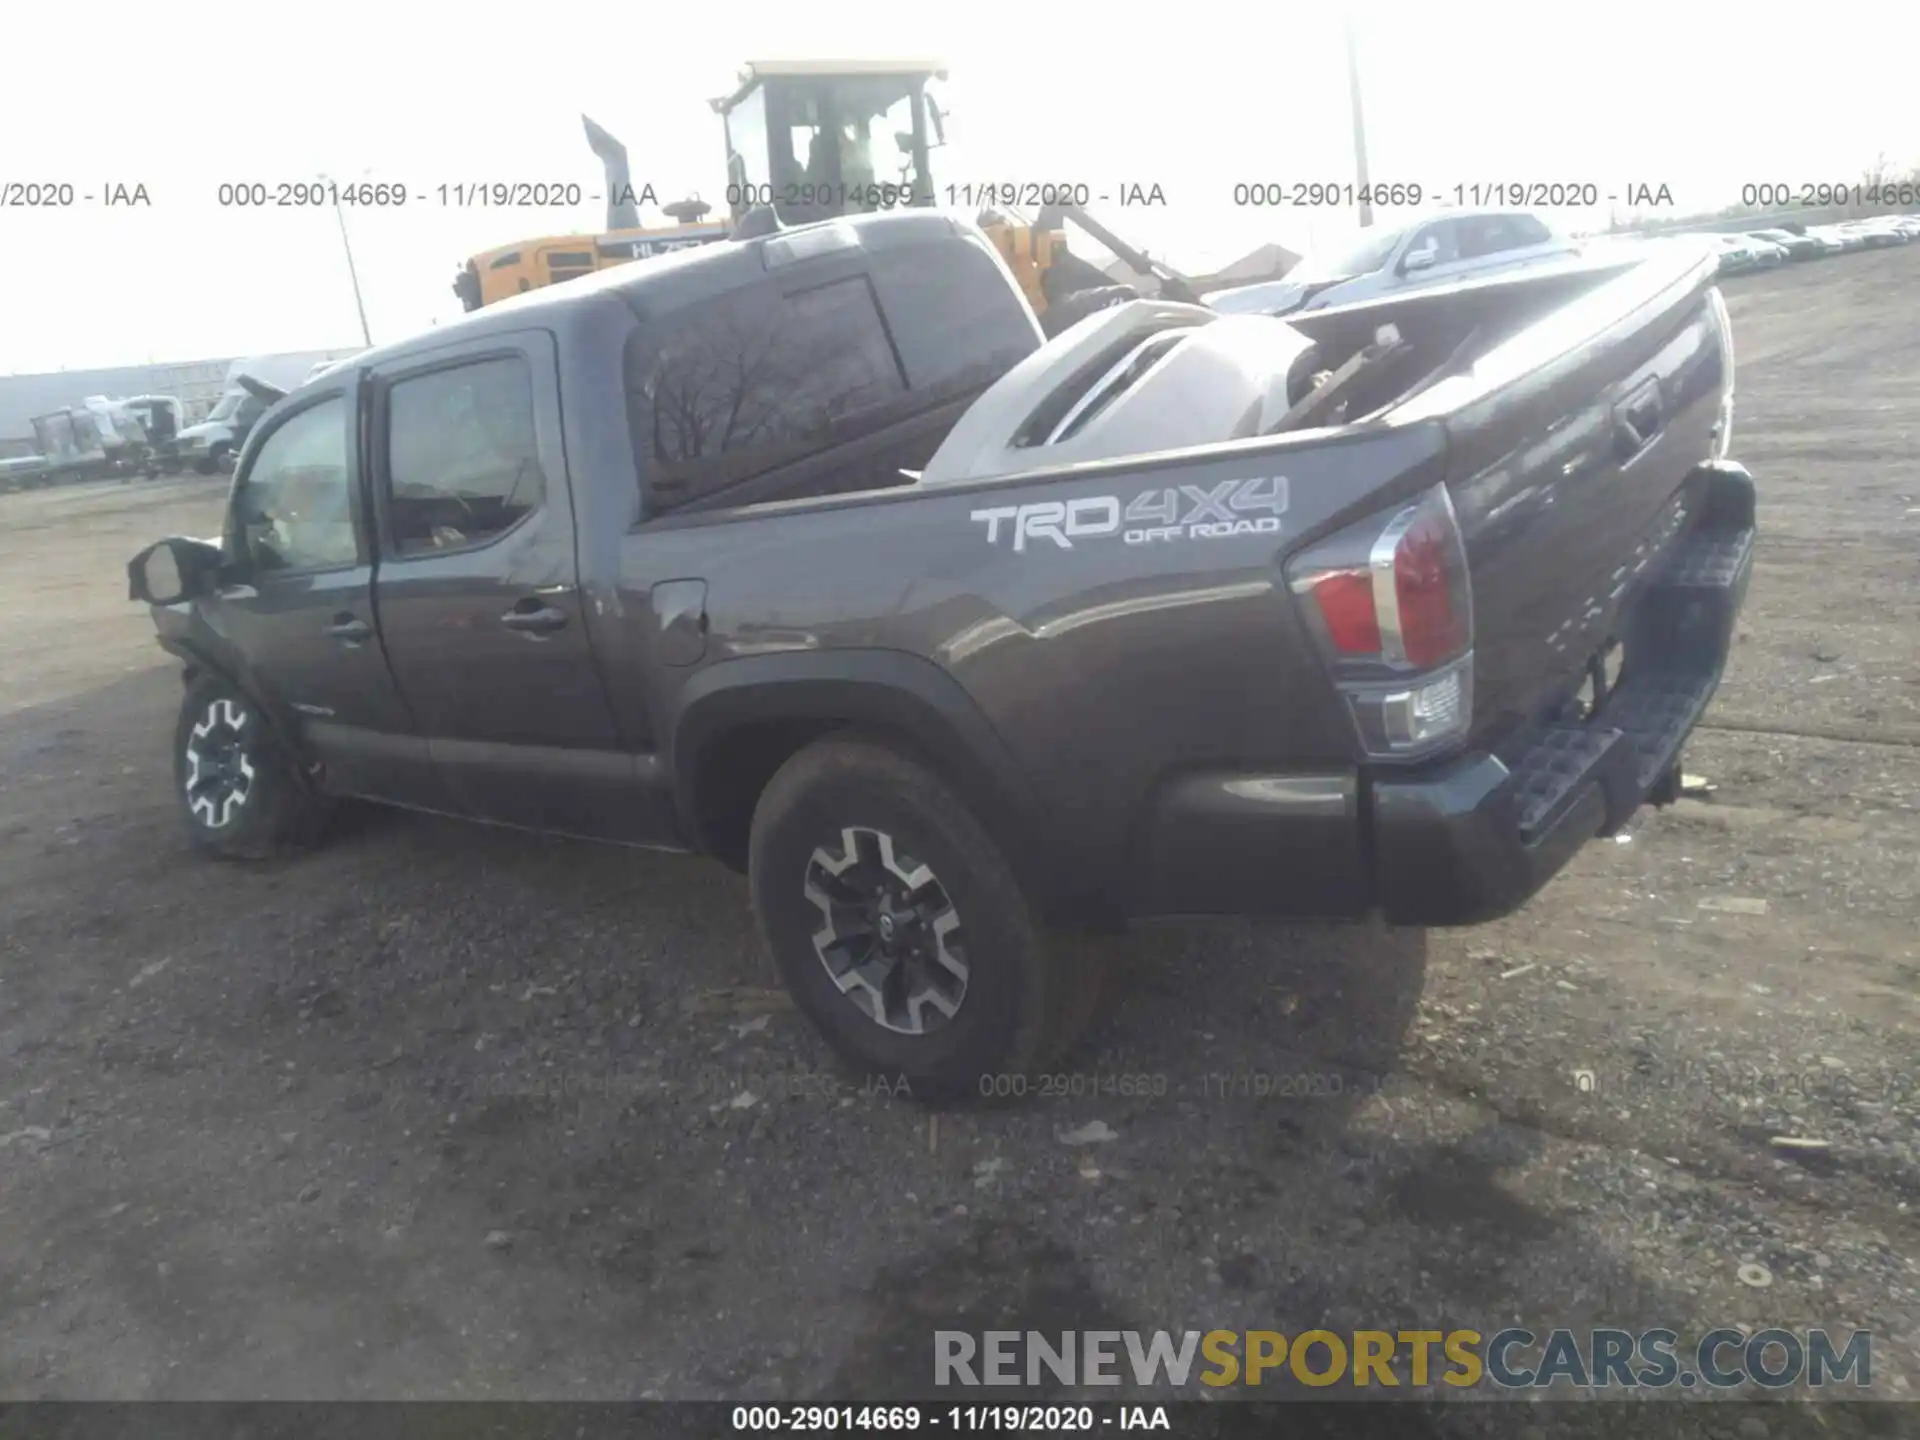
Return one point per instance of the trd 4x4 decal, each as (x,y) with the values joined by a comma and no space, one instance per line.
(1233,507)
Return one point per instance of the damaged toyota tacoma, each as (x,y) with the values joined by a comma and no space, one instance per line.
(806,552)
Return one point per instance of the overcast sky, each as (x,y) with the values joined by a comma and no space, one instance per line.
(1193,97)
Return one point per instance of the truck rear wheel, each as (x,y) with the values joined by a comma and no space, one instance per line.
(899,929)
(240,793)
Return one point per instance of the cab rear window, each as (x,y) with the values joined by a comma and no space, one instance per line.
(742,385)
(789,387)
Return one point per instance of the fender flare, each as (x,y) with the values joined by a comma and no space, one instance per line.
(197,660)
(890,690)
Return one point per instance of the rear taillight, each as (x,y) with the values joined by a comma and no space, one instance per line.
(1391,604)
(1427,573)
(1345,598)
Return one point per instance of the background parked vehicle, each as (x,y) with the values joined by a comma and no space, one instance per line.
(212,444)
(104,436)
(1798,247)
(1738,254)
(159,417)
(1878,233)
(24,472)
(252,385)
(1464,245)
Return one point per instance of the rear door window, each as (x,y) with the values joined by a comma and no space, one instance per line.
(743,385)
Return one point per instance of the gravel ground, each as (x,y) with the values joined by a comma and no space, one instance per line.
(439,1111)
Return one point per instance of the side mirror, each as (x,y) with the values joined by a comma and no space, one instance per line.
(1421,258)
(175,569)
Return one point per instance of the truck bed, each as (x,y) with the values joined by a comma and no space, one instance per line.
(1530,381)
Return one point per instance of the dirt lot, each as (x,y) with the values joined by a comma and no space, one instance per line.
(445,1112)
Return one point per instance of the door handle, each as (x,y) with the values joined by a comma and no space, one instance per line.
(533,618)
(1639,419)
(1644,415)
(348,629)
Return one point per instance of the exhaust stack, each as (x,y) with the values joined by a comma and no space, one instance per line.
(623,212)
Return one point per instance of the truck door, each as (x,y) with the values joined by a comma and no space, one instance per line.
(477,588)
(301,625)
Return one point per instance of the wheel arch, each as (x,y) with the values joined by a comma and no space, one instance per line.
(741,719)
(197,662)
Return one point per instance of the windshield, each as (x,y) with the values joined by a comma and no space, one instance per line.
(1361,256)
(229,405)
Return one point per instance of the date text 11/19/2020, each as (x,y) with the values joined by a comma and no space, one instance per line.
(1039,1419)
(1479,194)
(973,194)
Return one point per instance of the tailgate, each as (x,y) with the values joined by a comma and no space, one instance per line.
(1569,452)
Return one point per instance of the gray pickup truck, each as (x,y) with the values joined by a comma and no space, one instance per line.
(808,553)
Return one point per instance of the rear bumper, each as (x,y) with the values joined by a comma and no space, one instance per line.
(1477,836)
(1480,838)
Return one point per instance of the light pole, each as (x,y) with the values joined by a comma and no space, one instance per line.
(1359,125)
(353,274)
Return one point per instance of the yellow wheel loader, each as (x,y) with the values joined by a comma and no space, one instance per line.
(811,140)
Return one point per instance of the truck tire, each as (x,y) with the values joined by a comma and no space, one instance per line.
(899,929)
(1074,308)
(241,795)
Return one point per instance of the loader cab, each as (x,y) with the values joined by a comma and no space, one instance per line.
(817,139)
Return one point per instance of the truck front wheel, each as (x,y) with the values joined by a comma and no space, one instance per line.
(240,793)
(899,929)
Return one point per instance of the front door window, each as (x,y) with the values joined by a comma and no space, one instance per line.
(295,510)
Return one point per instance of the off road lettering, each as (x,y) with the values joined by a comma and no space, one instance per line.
(1185,512)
